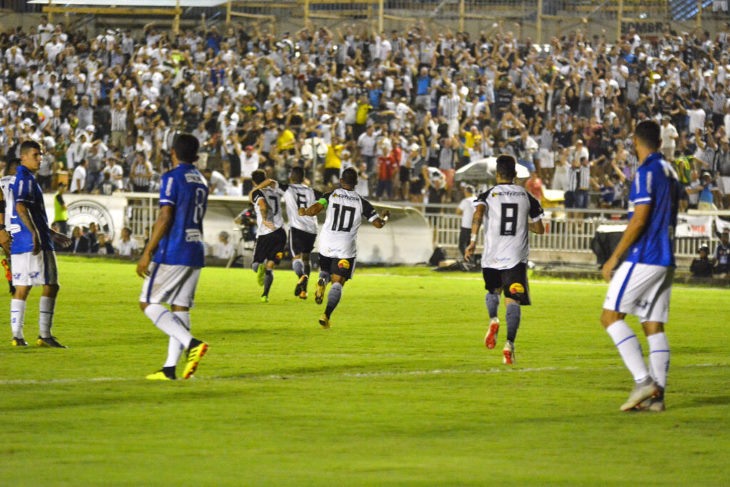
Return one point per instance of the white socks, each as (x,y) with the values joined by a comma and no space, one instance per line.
(659,357)
(45,317)
(166,321)
(174,347)
(17,317)
(630,349)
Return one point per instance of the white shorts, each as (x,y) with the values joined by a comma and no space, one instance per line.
(641,290)
(34,270)
(547,159)
(724,184)
(171,284)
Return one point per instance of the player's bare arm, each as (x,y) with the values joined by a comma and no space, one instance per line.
(382,220)
(161,227)
(60,239)
(312,210)
(264,208)
(5,239)
(22,211)
(537,227)
(476,221)
(632,233)
(266,182)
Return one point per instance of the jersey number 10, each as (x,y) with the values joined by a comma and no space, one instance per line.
(341,214)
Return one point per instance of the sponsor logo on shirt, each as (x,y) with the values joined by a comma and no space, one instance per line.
(345,196)
(193,235)
(192,177)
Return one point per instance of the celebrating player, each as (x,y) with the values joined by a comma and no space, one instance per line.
(509,212)
(6,210)
(337,246)
(33,258)
(642,284)
(177,245)
(270,234)
(302,229)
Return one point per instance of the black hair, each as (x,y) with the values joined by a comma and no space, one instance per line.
(349,176)
(297,174)
(506,166)
(258,176)
(29,145)
(186,147)
(649,133)
(10,165)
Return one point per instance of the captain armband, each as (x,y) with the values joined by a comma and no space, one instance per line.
(323,202)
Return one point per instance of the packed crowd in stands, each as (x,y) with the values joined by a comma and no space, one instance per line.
(406,109)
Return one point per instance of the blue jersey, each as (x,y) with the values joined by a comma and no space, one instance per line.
(655,184)
(25,190)
(186,191)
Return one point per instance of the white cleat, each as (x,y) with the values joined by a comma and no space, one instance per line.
(509,353)
(644,390)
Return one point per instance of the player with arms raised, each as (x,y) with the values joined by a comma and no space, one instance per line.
(176,243)
(642,284)
(510,212)
(337,240)
(270,234)
(33,259)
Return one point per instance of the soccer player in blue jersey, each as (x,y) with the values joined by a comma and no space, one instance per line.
(176,243)
(642,284)
(33,259)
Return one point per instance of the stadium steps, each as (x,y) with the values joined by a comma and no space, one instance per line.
(682,10)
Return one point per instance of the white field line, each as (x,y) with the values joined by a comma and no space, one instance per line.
(347,375)
(539,281)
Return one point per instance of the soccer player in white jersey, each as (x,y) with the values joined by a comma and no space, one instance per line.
(302,229)
(270,234)
(173,257)
(642,284)
(337,238)
(33,259)
(6,205)
(510,212)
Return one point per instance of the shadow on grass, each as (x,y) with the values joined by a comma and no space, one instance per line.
(699,402)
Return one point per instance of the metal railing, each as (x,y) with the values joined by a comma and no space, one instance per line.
(566,230)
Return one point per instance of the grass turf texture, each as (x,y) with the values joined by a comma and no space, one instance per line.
(401,390)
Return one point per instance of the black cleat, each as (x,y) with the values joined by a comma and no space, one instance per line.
(19,342)
(49,342)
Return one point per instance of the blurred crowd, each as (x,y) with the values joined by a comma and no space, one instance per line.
(407,108)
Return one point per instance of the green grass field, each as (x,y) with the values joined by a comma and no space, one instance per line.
(400,391)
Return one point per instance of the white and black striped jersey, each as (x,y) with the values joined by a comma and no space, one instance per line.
(5,183)
(509,211)
(300,196)
(344,212)
(272,196)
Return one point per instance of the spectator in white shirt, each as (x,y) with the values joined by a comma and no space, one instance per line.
(128,246)
(115,174)
(78,180)
(224,249)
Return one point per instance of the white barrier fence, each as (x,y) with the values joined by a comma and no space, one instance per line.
(571,231)
(409,238)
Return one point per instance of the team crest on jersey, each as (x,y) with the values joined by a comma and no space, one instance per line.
(344,264)
(81,213)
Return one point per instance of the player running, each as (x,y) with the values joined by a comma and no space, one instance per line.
(33,258)
(337,246)
(177,245)
(642,284)
(270,234)
(302,229)
(509,211)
